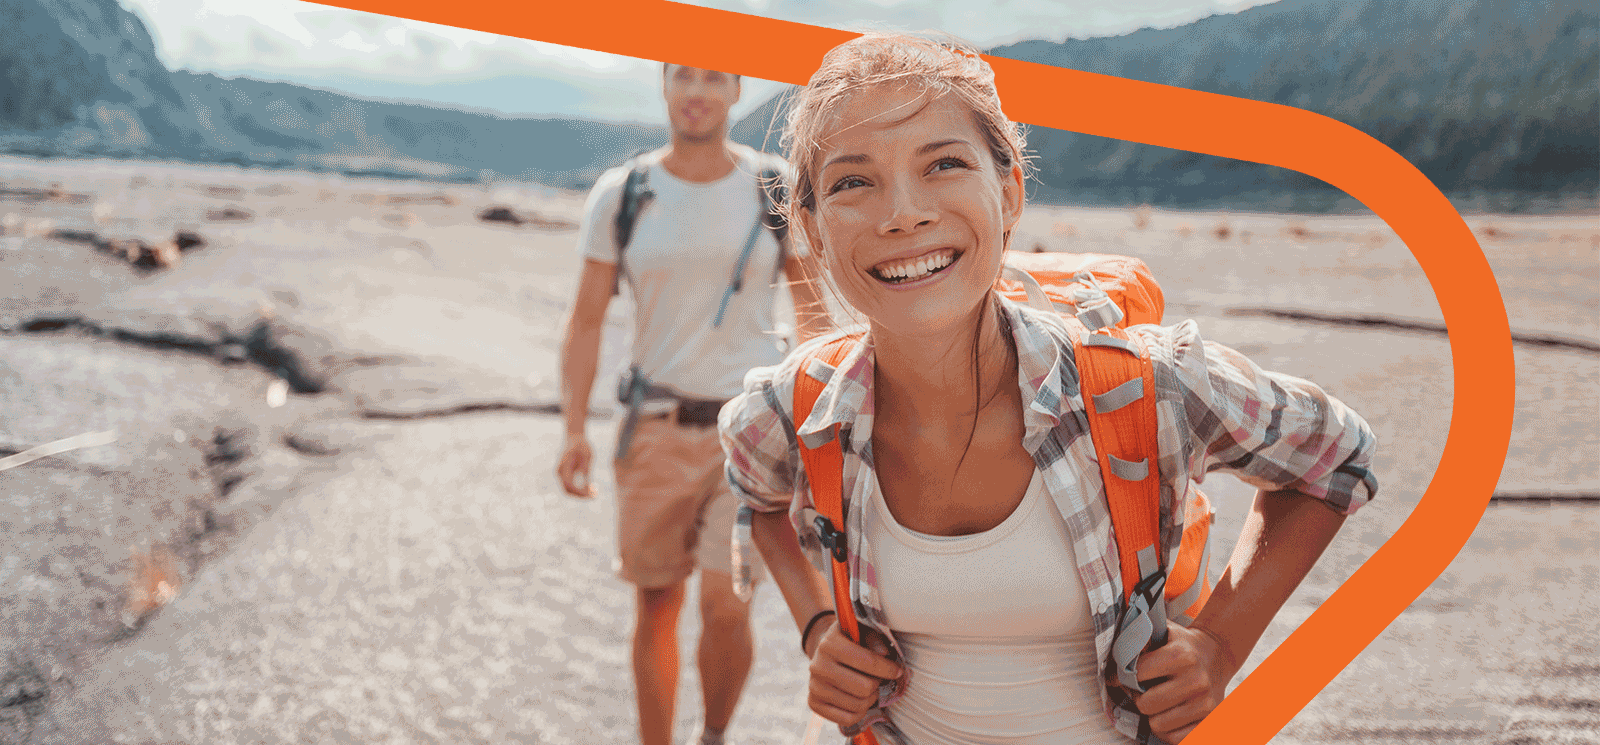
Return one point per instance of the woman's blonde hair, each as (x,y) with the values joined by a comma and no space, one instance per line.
(932,62)
(935,63)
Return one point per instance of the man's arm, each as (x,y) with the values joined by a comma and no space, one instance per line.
(580,357)
(810,314)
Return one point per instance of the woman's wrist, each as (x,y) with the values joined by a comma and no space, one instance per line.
(805,634)
(1230,656)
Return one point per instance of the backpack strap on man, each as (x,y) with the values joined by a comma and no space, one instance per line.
(768,181)
(636,195)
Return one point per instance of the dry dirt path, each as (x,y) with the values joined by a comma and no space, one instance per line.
(438,589)
(428,583)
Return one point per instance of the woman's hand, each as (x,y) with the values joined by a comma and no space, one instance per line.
(845,676)
(1281,540)
(1196,667)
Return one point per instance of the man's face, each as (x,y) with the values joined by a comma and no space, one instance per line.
(698,101)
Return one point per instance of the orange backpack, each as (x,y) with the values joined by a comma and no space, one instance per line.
(1099,295)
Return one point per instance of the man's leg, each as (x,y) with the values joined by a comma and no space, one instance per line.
(658,509)
(655,660)
(727,648)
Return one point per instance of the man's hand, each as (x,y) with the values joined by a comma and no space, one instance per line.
(574,466)
(845,675)
(1197,668)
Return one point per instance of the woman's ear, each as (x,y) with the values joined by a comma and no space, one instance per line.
(1012,195)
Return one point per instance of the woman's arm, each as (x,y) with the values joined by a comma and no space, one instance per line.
(1283,536)
(804,588)
(844,675)
(764,469)
(1311,457)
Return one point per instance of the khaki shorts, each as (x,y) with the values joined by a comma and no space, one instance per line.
(675,510)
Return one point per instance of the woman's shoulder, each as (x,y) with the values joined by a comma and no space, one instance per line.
(772,386)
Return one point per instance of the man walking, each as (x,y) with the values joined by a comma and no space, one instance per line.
(688,228)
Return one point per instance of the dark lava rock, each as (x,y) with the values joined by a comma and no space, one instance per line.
(230,214)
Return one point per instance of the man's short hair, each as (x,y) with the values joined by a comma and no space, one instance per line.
(666,66)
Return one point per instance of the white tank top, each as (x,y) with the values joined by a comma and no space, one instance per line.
(995,627)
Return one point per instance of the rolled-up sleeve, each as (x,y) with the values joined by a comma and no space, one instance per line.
(1272,431)
(758,439)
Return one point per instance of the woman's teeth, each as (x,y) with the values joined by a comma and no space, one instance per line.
(919,268)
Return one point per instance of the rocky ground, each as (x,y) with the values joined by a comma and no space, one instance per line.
(335,435)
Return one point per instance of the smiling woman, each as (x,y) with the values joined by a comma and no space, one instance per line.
(908,196)
(977,533)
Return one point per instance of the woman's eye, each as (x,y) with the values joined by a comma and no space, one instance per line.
(948,163)
(848,182)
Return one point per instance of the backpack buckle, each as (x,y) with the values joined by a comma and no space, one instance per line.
(1151,586)
(832,539)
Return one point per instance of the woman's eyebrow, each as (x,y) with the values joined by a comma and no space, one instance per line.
(843,159)
(932,146)
(924,150)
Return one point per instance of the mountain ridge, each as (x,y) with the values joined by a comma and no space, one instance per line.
(1483,96)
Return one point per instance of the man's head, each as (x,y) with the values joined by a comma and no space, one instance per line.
(698,101)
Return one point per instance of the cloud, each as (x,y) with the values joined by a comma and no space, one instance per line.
(375,55)
(990,22)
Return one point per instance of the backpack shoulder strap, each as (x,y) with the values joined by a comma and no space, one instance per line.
(636,195)
(825,471)
(1117,381)
(767,181)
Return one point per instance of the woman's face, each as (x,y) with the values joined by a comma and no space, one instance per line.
(910,211)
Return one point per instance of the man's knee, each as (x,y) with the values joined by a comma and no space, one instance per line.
(719,607)
(659,605)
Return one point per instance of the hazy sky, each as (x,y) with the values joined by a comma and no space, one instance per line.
(379,56)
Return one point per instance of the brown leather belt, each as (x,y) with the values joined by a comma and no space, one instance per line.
(697,412)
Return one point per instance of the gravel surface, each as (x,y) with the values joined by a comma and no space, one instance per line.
(369,564)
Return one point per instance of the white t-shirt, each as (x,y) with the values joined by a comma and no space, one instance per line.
(678,265)
(995,627)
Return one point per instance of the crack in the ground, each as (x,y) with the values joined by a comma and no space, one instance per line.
(259,346)
(24,695)
(1403,324)
(1540,497)
(472,408)
(306,446)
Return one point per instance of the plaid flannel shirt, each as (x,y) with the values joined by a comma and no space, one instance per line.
(1217,411)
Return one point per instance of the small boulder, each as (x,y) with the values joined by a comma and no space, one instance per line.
(500,214)
(229,214)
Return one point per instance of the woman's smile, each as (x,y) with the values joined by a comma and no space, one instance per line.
(905,272)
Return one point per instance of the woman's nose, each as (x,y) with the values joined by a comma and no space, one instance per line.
(908,211)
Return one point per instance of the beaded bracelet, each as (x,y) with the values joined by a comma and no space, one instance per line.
(804,635)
